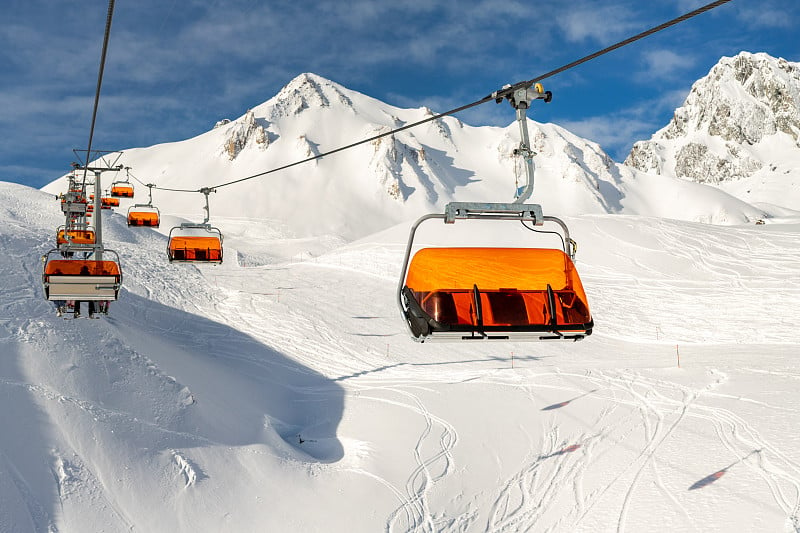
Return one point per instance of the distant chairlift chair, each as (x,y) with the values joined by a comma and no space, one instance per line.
(121,189)
(75,236)
(144,215)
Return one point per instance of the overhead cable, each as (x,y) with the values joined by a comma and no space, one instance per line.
(99,83)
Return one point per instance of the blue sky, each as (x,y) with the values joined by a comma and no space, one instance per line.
(174,68)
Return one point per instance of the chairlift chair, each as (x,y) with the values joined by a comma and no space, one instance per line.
(196,243)
(496,293)
(74,235)
(81,279)
(144,215)
(486,293)
(107,202)
(121,189)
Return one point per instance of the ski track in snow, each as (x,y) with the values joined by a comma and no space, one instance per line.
(432,466)
(39,517)
(329,353)
(736,269)
(559,470)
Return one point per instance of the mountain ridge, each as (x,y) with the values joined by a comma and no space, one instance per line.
(395,178)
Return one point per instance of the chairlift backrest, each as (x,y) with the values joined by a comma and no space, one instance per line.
(144,215)
(108,202)
(195,243)
(122,189)
(75,236)
(492,269)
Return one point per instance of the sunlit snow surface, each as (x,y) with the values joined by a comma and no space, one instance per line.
(280,390)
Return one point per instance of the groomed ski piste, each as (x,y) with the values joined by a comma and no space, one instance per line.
(280,390)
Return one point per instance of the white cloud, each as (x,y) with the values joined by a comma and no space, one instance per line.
(663,63)
(690,5)
(175,67)
(617,131)
(614,133)
(764,16)
(598,23)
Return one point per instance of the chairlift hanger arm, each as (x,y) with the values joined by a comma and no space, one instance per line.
(206,191)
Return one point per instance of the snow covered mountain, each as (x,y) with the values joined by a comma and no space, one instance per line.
(739,129)
(374,186)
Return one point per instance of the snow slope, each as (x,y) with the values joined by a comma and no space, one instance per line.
(280,391)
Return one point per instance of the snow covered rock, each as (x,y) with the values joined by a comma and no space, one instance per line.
(244,131)
(741,120)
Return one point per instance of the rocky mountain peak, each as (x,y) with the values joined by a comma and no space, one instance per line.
(743,102)
(308,91)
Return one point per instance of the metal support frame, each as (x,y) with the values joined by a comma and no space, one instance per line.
(98,224)
(207,191)
(520,99)
(98,190)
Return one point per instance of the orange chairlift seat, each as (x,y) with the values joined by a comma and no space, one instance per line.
(144,215)
(74,236)
(81,279)
(494,293)
(195,243)
(121,189)
(107,202)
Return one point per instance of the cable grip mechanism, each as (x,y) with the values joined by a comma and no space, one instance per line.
(520,97)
